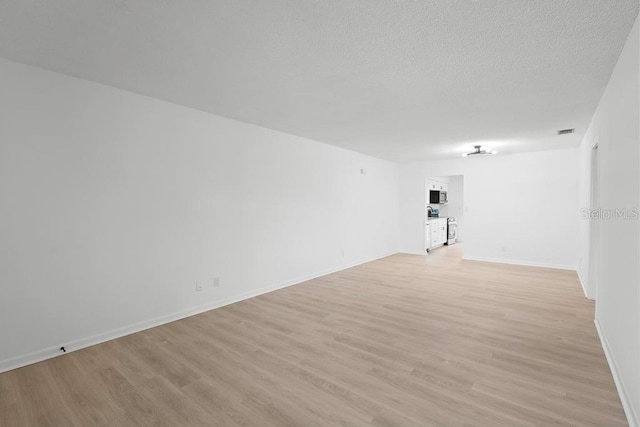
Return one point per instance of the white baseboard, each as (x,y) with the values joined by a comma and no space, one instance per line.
(525,263)
(632,416)
(51,352)
(583,284)
(413,252)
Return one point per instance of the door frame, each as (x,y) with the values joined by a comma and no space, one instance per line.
(594,224)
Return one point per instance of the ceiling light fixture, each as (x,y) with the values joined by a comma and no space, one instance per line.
(479,151)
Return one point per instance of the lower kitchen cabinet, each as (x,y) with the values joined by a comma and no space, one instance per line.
(435,233)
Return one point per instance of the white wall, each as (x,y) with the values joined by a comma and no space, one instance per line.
(440,178)
(517,208)
(455,208)
(113,205)
(615,127)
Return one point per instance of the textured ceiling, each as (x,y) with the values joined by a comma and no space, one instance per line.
(401,80)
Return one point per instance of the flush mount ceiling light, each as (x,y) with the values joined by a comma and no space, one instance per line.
(479,151)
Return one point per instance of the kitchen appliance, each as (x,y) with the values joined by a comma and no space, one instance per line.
(438,197)
(433,213)
(452,231)
(434,197)
(443,197)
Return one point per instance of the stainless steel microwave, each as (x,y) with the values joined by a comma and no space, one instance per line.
(437,197)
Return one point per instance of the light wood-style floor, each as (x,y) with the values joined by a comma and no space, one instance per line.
(406,340)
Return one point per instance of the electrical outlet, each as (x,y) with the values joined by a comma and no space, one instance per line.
(198,286)
(216,282)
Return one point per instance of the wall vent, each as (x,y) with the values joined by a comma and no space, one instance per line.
(566,131)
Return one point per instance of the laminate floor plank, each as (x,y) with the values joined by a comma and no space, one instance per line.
(404,340)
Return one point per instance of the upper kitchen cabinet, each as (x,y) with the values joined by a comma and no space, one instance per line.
(437,185)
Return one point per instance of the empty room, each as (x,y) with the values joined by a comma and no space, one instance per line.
(319,212)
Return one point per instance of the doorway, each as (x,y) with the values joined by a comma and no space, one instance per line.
(443,212)
(594,226)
